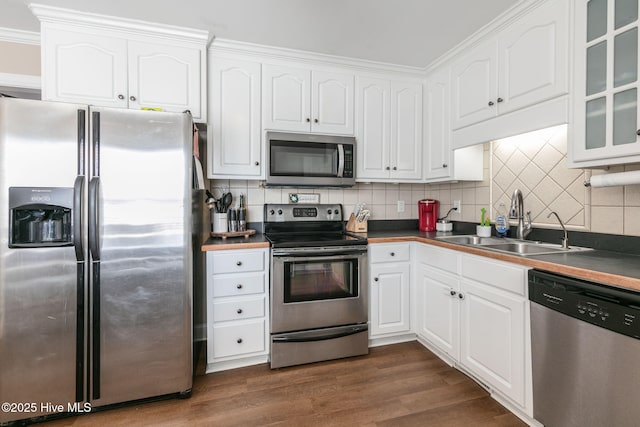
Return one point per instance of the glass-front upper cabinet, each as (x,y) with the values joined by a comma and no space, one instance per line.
(605,115)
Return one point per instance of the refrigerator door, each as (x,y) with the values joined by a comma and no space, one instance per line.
(41,287)
(140,244)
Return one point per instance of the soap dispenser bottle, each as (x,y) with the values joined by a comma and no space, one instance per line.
(502,225)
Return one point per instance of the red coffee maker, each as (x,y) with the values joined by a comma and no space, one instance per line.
(427,214)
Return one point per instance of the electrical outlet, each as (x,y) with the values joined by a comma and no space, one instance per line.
(400,206)
(456,204)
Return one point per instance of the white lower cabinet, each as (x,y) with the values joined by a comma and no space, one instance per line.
(390,293)
(475,312)
(237,308)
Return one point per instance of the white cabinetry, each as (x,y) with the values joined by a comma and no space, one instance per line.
(605,115)
(237,308)
(389,310)
(120,63)
(303,100)
(441,163)
(389,129)
(234,130)
(524,65)
(475,310)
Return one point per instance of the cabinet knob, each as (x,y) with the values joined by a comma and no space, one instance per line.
(239,263)
(395,168)
(375,279)
(239,340)
(453,293)
(239,311)
(500,99)
(132,98)
(393,254)
(315,120)
(239,286)
(460,296)
(444,165)
(387,168)
(257,163)
(121,96)
(308,119)
(490,103)
(638,132)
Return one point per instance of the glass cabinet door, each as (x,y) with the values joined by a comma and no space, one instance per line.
(606,125)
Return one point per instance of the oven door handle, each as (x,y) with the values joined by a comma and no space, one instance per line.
(345,333)
(291,257)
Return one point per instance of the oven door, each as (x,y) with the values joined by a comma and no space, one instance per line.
(318,288)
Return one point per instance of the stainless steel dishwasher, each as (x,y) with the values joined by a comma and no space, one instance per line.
(585,352)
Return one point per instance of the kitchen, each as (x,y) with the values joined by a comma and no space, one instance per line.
(536,163)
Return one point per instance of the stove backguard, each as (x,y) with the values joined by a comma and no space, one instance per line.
(40,217)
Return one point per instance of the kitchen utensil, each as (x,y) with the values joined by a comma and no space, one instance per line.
(233,220)
(242,219)
(226,199)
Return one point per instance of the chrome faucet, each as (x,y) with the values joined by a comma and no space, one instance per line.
(516,212)
(565,240)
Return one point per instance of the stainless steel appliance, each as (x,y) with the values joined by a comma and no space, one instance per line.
(319,281)
(586,346)
(95,256)
(309,160)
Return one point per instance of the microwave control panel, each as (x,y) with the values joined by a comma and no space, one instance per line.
(348,161)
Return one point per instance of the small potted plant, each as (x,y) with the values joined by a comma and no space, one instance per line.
(484,229)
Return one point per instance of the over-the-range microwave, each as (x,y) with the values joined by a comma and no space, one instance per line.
(308,160)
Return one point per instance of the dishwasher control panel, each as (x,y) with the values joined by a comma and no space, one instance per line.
(598,304)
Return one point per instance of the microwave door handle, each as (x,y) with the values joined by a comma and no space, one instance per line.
(340,160)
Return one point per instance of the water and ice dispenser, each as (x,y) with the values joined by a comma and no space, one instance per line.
(40,217)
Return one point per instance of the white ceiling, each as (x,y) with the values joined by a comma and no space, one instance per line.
(405,32)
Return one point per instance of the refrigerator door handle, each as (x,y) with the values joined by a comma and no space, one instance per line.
(78,187)
(94,218)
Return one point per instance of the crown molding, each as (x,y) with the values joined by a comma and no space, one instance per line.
(12,35)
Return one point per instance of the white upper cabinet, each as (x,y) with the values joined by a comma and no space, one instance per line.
(605,113)
(303,100)
(527,63)
(234,131)
(389,129)
(121,63)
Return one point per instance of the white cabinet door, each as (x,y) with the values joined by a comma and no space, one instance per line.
(390,299)
(373,134)
(474,86)
(437,159)
(533,57)
(332,108)
(286,104)
(492,337)
(438,316)
(165,76)
(84,68)
(406,130)
(234,130)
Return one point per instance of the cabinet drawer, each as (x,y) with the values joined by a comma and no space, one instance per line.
(234,340)
(238,284)
(510,277)
(444,259)
(237,261)
(389,252)
(238,309)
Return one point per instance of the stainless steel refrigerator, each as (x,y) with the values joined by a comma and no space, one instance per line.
(95,256)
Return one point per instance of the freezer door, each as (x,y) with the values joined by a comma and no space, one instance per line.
(140,240)
(41,288)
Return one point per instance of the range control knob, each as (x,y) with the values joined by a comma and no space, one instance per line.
(272,212)
(329,211)
(336,212)
(279,211)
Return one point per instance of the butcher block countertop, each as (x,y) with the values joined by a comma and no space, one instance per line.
(606,267)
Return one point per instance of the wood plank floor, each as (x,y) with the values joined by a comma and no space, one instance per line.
(396,385)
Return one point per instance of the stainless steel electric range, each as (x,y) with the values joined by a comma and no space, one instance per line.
(319,300)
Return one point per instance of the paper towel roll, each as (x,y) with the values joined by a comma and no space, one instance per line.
(615,179)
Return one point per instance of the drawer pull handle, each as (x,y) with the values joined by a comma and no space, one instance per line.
(453,293)
(239,263)
(393,254)
(239,286)
(460,296)
(120,96)
(239,311)
(239,340)
(375,279)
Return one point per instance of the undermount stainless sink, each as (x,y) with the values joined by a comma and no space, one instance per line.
(510,246)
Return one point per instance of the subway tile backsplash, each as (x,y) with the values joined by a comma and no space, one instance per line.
(535,163)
